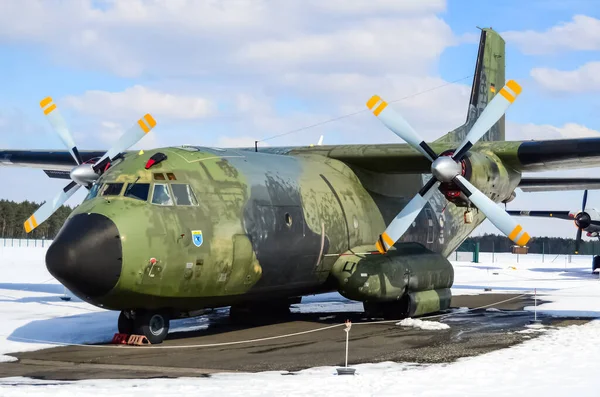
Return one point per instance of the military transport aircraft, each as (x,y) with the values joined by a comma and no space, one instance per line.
(167,232)
(586,220)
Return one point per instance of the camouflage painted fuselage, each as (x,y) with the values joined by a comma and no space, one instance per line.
(272,225)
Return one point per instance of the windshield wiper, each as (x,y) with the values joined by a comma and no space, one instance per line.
(130,186)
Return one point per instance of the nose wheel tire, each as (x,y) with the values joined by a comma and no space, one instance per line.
(153,325)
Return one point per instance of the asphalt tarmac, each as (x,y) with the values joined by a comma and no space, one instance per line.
(470,333)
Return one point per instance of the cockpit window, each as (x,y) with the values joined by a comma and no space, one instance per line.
(93,191)
(183,194)
(161,195)
(112,189)
(138,191)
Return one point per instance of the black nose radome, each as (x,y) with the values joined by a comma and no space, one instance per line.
(86,255)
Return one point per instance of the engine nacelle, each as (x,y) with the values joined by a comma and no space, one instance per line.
(486,172)
(410,274)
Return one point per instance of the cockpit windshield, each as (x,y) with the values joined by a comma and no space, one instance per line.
(161,195)
(178,194)
(138,191)
(183,194)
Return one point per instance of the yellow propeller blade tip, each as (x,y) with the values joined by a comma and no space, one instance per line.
(44,102)
(141,152)
(372,101)
(150,120)
(514,86)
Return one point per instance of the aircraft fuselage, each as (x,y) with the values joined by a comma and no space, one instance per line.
(259,226)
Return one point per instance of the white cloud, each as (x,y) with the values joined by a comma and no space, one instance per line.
(178,37)
(377,6)
(584,79)
(240,141)
(580,34)
(138,100)
(266,63)
(373,46)
(18,131)
(515,131)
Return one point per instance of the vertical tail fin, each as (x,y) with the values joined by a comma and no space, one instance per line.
(487,81)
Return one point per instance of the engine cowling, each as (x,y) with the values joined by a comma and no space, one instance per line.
(487,173)
(412,276)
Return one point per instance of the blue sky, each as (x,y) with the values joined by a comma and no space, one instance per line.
(230,73)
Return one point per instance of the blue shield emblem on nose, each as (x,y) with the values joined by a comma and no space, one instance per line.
(197,237)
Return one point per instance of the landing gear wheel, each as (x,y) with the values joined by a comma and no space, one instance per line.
(392,310)
(125,324)
(595,263)
(153,325)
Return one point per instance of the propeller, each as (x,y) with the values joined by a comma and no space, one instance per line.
(83,174)
(585,221)
(582,221)
(448,169)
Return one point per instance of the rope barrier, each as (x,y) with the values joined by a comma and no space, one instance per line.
(445,315)
(266,338)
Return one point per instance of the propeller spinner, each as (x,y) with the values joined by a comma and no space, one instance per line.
(447,168)
(583,220)
(83,174)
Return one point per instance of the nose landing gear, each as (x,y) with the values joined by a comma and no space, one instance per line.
(154,325)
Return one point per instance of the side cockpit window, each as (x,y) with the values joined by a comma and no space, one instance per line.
(183,194)
(93,191)
(111,189)
(161,195)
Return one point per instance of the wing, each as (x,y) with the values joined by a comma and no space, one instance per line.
(55,163)
(521,156)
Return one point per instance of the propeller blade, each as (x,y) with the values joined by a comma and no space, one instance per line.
(542,214)
(395,122)
(60,126)
(503,221)
(50,207)
(490,116)
(129,138)
(406,217)
(577,240)
(584,200)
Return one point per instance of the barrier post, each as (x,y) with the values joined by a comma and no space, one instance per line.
(535,319)
(345,370)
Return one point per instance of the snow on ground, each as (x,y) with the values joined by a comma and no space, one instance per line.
(31,308)
(567,283)
(428,325)
(557,363)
